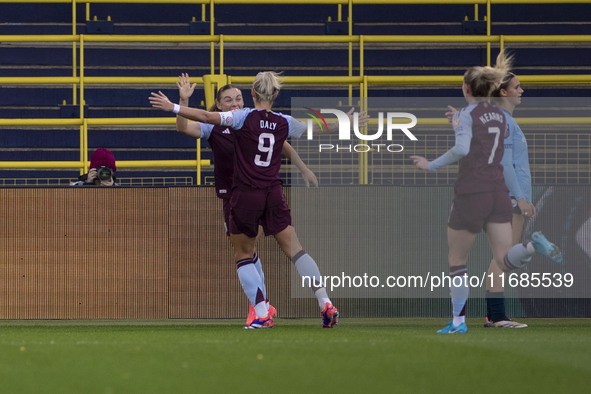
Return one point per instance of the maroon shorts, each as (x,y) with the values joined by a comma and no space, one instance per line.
(253,207)
(472,211)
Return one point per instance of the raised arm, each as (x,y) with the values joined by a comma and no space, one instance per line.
(362,120)
(160,101)
(186,89)
(463,134)
(451,111)
(307,174)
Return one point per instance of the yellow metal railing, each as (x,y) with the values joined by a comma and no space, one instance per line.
(79,81)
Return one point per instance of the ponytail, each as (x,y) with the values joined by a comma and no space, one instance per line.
(265,85)
(484,81)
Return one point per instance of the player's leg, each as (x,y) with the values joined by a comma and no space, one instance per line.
(257,262)
(517,224)
(520,254)
(251,312)
(459,243)
(247,273)
(277,222)
(500,232)
(466,220)
(308,269)
(500,239)
(494,271)
(246,210)
(259,266)
(516,257)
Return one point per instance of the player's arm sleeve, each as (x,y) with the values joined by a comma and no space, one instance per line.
(509,172)
(234,119)
(524,176)
(296,127)
(206,129)
(463,132)
(521,160)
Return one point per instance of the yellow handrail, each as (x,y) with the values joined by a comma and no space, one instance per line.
(328,2)
(581,120)
(300,38)
(90,121)
(354,2)
(40,38)
(171,121)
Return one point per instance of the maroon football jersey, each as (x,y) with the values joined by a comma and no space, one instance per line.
(481,169)
(221,140)
(258,146)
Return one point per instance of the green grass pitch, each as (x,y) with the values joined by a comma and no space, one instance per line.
(297,356)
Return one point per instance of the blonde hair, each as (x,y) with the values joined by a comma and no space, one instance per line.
(265,84)
(483,81)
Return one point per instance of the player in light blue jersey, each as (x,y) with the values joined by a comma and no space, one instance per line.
(518,179)
(515,161)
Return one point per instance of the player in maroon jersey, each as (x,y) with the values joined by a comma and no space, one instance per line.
(257,195)
(221,141)
(481,199)
(518,179)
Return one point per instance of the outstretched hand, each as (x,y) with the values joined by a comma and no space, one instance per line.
(420,162)
(450,114)
(160,101)
(362,120)
(186,89)
(362,117)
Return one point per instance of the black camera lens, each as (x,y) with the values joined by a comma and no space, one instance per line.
(104,173)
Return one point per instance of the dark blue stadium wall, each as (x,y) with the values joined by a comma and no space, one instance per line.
(21,59)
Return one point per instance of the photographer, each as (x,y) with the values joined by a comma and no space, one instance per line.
(101,172)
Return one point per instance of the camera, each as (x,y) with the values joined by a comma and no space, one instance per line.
(104,173)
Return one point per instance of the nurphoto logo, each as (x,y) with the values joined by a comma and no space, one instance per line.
(392,124)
